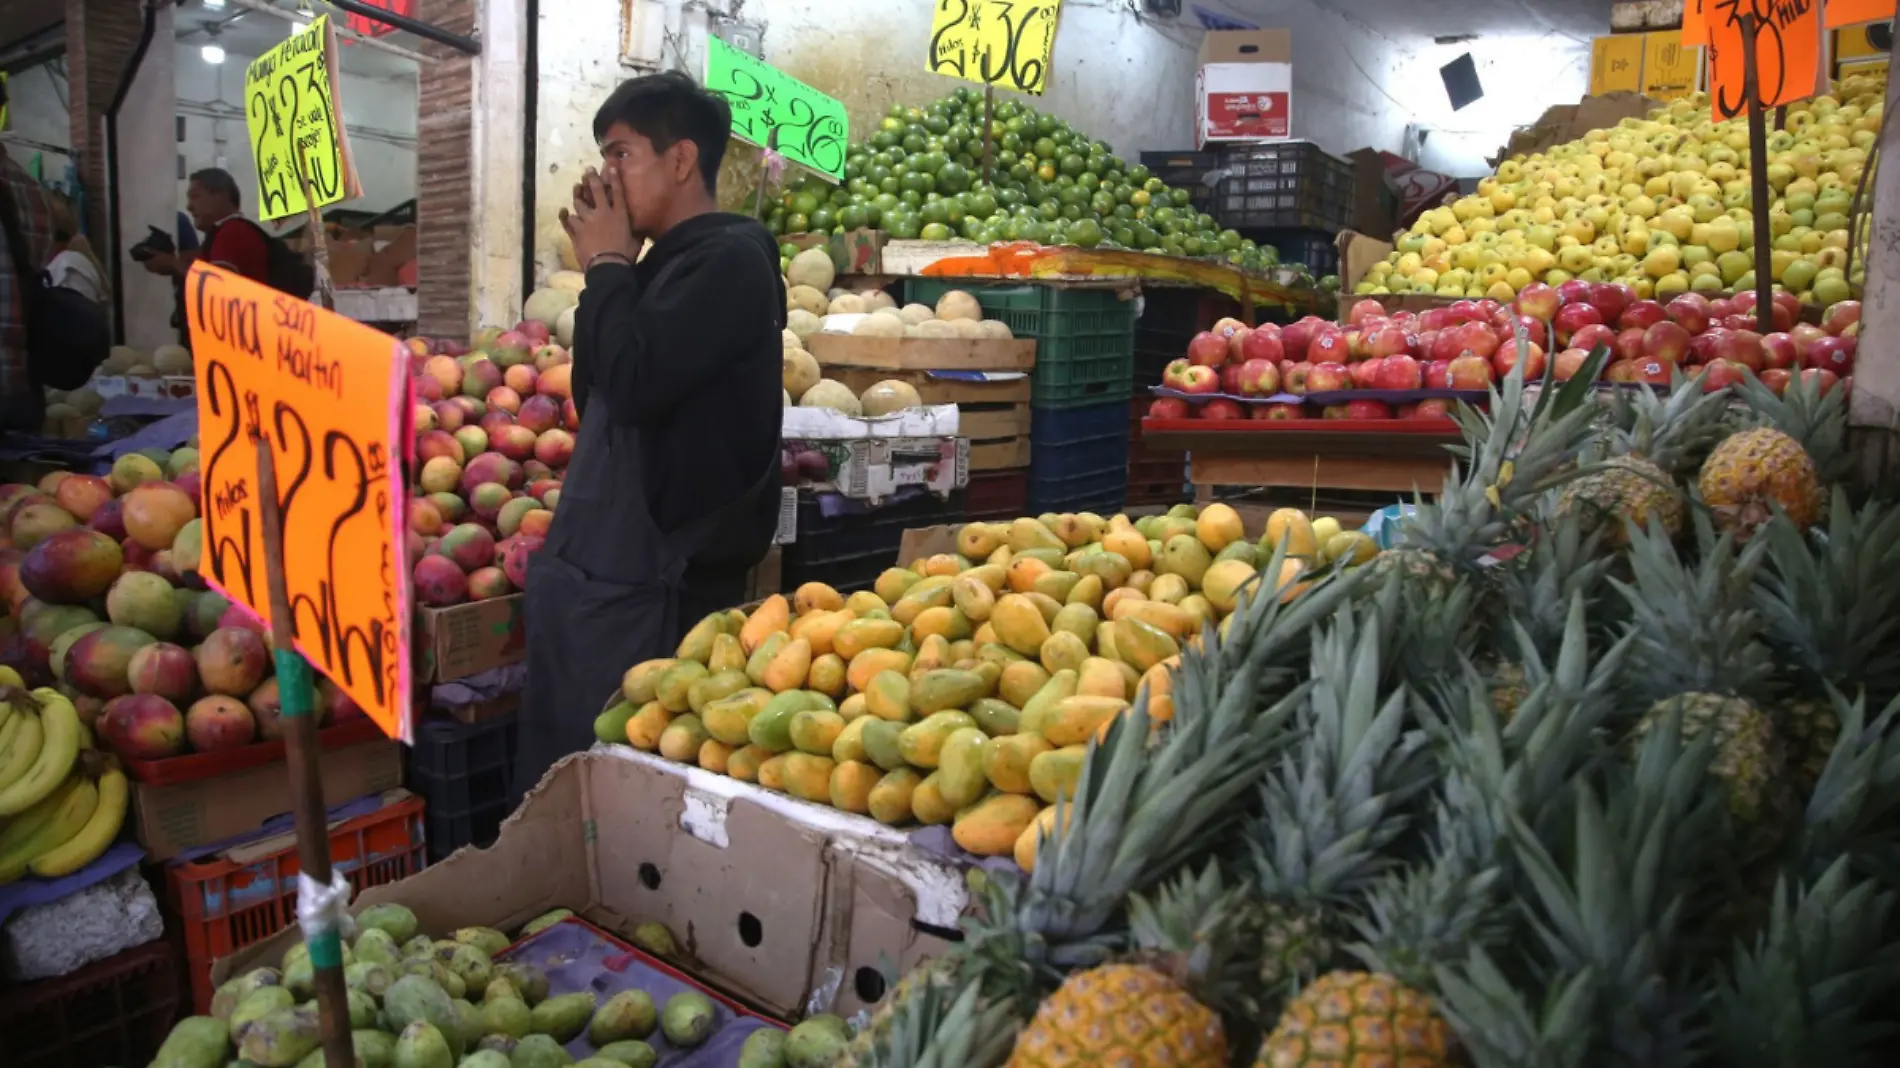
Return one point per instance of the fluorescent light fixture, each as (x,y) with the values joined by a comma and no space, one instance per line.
(214,5)
(212,54)
(298,27)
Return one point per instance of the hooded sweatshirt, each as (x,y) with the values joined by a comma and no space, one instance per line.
(685,348)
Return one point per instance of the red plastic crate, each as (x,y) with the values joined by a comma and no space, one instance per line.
(997,494)
(114,1011)
(223,906)
(194,766)
(1156,476)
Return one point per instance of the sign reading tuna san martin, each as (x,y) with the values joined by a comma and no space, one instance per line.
(1004,43)
(296,124)
(331,397)
(811,126)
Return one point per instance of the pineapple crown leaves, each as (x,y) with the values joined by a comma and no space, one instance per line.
(1806,991)
(1831,600)
(1562,562)
(1856,801)
(1428,912)
(1699,631)
(1817,420)
(1427,631)
(1194,921)
(1675,432)
(1498,1030)
(932,1026)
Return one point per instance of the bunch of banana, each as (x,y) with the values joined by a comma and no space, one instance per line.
(62,811)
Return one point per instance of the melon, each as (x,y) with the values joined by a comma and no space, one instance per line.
(567,281)
(996,330)
(800,372)
(878,300)
(812,267)
(790,340)
(802,324)
(564,327)
(63,421)
(807,299)
(545,306)
(141,370)
(957,304)
(916,313)
(120,358)
(889,396)
(172,360)
(86,399)
(848,304)
(911,331)
(967,329)
(788,397)
(879,326)
(938,329)
(830,393)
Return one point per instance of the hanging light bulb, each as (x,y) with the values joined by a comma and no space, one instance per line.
(212,54)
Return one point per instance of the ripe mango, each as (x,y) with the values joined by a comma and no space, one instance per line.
(1024,570)
(1112,603)
(1173,620)
(888,697)
(698,643)
(1020,681)
(928,804)
(973,597)
(927,593)
(1143,644)
(789,667)
(1063,651)
(1244,551)
(933,652)
(893,583)
(960,775)
(1039,830)
(727,655)
(1006,760)
(862,603)
(772,727)
(978,540)
(994,577)
(948,565)
(852,707)
(1020,625)
(730,719)
(946,621)
(851,784)
(1158,684)
(868,664)
(1075,720)
(1223,583)
(761,657)
(646,726)
(994,716)
(861,634)
(849,744)
(991,827)
(772,773)
(1056,585)
(1130,545)
(1111,567)
(1099,677)
(827,676)
(922,742)
(1184,555)
(1218,526)
(1168,589)
(676,684)
(946,688)
(1056,772)
(819,629)
(881,744)
(744,763)
(682,738)
(715,756)
(642,679)
(816,597)
(1088,592)
(890,800)
(1036,712)
(815,731)
(1291,527)
(1026,533)
(1077,619)
(1141,580)
(808,777)
(1046,605)
(715,687)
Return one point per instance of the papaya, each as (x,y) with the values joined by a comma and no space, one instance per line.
(772,727)
(698,643)
(852,708)
(928,593)
(1101,678)
(1063,651)
(864,602)
(1143,644)
(945,688)
(827,675)
(1074,720)
(772,616)
(973,598)
(960,767)
(996,717)
(1077,619)
(991,827)
(771,773)
(816,597)
(1087,593)
(893,583)
(676,682)
(881,743)
(744,762)
(1055,773)
(922,741)
(871,662)
(890,800)
(820,629)
(933,652)
(715,756)
(1055,584)
(728,719)
(1006,761)
(815,731)
(1023,572)
(705,691)
(1038,709)
(1039,829)
(789,669)
(808,777)
(1168,589)
(682,738)
(644,729)
(947,622)
(849,745)
(727,655)
(642,679)
(851,784)
(761,657)
(860,634)
(928,804)
(888,697)
(611,725)
(1019,624)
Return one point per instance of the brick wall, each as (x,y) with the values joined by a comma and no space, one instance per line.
(444,188)
(101,36)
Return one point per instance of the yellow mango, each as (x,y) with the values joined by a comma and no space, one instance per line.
(705,691)
(1089,591)
(682,738)
(1130,545)
(727,654)
(1074,720)
(1168,589)
(1077,619)
(1158,684)
(1061,685)
(642,679)
(964,649)
(864,602)
(1006,760)
(1223,583)
(946,622)
(921,596)
(858,635)
(893,583)
(852,708)
(994,577)
(1019,624)
(761,657)
(960,775)
(1040,829)
(773,615)
(1141,580)
(977,540)
(790,668)
(945,688)
(744,762)
(991,827)
(729,719)
(928,804)
(820,629)
(676,684)
(1023,572)
(880,738)
(1099,677)
(1055,773)
(933,652)
(1172,620)
(1218,526)
(646,726)
(698,643)
(1111,567)
(1056,584)
(1112,602)
(1105,644)
(850,742)
(808,777)
(1063,651)
(771,773)
(851,784)
(996,717)
(816,597)
(715,756)
(1021,680)
(868,664)
(815,731)
(890,800)
(1131,679)
(973,597)
(922,742)
(1143,644)
(827,675)
(1046,605)
(1026,533)
(944,564)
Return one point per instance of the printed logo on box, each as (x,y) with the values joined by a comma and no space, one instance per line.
(1248,115)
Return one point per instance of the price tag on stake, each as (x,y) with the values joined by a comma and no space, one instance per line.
(332,397)
(811,126)
(1848,12)
(1004,43)
(1787,52)
(294,120)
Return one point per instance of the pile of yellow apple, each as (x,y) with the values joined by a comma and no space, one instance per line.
(964,688)
(1661,204)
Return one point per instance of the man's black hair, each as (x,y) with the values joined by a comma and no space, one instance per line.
(218,180)
(667,109)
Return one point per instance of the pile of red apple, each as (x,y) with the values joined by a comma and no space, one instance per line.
(495,428)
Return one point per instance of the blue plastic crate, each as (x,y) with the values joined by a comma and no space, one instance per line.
(1065,442)
(1101,491)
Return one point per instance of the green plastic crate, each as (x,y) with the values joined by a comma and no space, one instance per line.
(1085,338)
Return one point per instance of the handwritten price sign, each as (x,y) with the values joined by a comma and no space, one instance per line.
(295,123)
(1787,52)
(811,126)
(1005,43)
(331,397)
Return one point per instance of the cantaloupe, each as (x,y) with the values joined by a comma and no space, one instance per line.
(564,327)
(86,399)
(938,329)
(830,393)
(800,372)
(790,340)
(119,359)
(567,281)
(141,370)
(877,300)
(545,306)
(957,304)
(802,324)
(172,360)
(889,396)
(967,329)
(848,304)
(996,330)
(805,298)
(916,313)
(879,326)
(788,397)
(812,267)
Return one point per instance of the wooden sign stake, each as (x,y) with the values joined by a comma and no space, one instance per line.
(989,137)
(325,296)
(300,761)
(1758,180)
(765,174)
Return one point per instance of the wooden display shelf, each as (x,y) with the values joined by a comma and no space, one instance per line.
(921,354)
(1391,456)
(993,415)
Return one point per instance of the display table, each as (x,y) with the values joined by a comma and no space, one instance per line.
(1396,456)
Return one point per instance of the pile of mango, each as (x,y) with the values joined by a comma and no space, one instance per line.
(963,689)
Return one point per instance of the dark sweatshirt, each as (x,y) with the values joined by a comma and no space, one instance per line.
(685,347)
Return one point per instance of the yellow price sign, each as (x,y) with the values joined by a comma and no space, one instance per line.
(296,125)
(1004,43)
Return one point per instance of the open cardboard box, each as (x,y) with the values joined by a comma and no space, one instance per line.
(774,910)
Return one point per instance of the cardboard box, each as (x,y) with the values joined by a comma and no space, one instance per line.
(1375,205)
(1567,122)
(1243,86)
(1616,64)
(385,264)
(171,819)
(920,354)
(467,639)
(1357,254)
(349,261)
(156,387)
(783,905)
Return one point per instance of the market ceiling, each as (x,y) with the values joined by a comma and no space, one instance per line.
(1412,20)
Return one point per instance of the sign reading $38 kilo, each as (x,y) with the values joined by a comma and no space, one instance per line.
(1004,43)
(296,123)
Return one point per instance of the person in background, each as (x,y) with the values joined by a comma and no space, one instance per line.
(73,264)
(230,240)
(672,494)
(24,210)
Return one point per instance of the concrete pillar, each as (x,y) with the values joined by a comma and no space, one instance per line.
(498,157)
(445,230)
(146,164)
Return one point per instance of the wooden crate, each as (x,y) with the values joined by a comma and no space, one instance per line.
(993,415)
(931,354)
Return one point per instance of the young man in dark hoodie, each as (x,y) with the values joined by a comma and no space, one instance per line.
(672,493)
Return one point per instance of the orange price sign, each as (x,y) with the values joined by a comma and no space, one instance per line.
(332,398)
(1849,12)
(1695,23)
(1787,52)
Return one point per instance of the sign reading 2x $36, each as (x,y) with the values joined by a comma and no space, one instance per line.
(1004,43)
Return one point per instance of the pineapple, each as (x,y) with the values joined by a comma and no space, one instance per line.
(935,1025)
(1628,487)
(1358,1020)
(1754,472)
(1747,752)
(1816,419)
(1653,443)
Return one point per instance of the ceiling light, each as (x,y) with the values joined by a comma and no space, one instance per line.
(214,5)
(212,54)
(298,27)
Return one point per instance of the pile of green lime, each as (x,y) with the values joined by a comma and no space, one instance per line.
(920,175)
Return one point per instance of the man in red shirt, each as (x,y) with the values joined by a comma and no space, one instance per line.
(231,241)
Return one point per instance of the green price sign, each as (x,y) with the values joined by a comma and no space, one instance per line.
(811,126)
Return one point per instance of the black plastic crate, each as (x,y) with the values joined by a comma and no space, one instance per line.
(464,773)
(450,831)
(1283,184)
(997,494)
(1193,171)
(862,529)
(446,750)
(1072,441)
(1101,492)
(1314,248)
(846,574)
